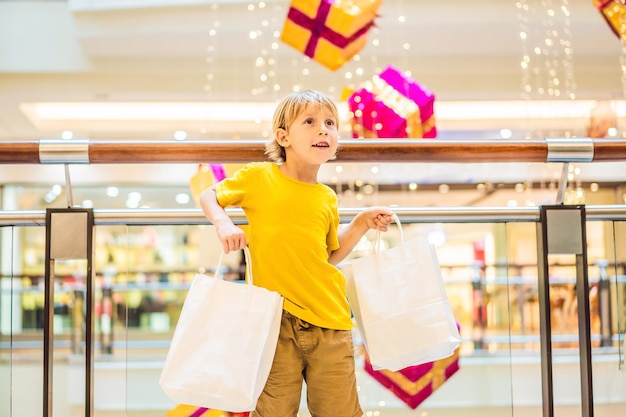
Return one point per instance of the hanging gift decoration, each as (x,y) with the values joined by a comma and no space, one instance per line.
(392,105)
(329,31)
(201,180)
(209,174)
(613,12)
(414,384)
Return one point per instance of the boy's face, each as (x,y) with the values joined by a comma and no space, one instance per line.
(312,136)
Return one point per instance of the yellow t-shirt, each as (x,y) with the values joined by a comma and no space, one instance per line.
(291,227)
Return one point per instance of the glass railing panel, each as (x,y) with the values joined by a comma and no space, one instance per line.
(619,272)
(513,324)
(607,304)
(603,272)
(607,282)
(475,266)
(21,335)
(7,307)
(143,279)
(142,274)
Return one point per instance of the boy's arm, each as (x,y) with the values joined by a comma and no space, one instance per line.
(231,236)
(377,218)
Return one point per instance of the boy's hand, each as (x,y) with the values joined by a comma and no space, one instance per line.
(231,237)
(378,218)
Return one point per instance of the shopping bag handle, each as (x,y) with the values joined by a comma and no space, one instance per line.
(246,254)
(396,219)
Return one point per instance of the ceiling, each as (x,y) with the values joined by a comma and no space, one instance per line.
(227,52)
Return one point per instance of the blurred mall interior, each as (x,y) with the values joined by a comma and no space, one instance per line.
(183,71)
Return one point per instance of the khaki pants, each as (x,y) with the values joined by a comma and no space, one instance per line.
(324,359)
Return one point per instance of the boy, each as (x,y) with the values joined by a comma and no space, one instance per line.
(295,244)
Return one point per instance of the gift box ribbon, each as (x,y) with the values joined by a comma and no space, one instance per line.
(199,412)
(318,28)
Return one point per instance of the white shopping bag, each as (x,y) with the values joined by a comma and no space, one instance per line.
(400,304)
(223,346)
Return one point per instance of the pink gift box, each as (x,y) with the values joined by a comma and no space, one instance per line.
(414,384)
(393,106)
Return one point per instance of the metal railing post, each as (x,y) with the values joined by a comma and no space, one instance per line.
(69,236)
(562,230)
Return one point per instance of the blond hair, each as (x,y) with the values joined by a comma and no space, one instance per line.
(286,112)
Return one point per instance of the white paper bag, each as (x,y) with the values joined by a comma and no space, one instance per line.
(223,346)
(400,304)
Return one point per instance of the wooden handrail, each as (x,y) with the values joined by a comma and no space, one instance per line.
(239,151)
(19,152)
(350,151)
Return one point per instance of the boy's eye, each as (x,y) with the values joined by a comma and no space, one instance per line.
(330,122)
(309,121)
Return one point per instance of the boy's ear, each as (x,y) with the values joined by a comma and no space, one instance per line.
(281,136)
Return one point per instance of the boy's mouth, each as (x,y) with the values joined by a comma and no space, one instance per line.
(321,145)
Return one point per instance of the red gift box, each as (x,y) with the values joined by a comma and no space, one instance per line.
(415,384)
(329,31)
(393,105)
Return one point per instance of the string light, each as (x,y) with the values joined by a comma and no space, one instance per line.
(210,58)
(546,62)
(266,41)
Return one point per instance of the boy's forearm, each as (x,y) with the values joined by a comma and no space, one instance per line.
(211,208)
(348,238)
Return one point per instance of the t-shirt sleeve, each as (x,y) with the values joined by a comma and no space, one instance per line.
(231,191)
